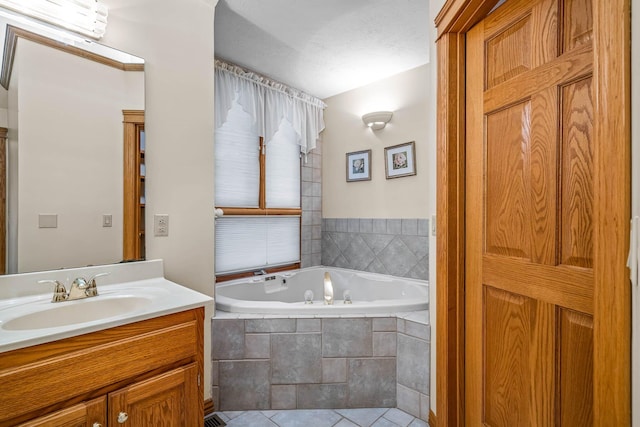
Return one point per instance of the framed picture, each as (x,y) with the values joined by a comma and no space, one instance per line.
(359,166)
(400,160)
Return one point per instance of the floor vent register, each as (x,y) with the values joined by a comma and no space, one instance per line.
(213,421)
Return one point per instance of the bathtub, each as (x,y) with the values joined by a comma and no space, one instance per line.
(284,293)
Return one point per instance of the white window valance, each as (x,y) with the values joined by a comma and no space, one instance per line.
(268,103)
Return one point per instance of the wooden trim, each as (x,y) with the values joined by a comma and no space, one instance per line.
(262,198)
(611,293)
(209,408)
(259,211)
(11,43)
(3,200)
(132,121)
(612,210)
(458,16)
(234,276)
(133,116)
(450,231)
(433,421)
(199,358)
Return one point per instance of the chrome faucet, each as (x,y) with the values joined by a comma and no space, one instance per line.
(328,289)
(80,288)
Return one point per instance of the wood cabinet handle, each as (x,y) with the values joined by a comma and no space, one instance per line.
(96,425)
(122,417)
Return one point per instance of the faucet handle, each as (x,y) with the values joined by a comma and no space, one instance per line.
(59,291)
(92,287)
(93,279)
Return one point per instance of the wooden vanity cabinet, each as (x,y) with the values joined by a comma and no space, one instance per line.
(143,374)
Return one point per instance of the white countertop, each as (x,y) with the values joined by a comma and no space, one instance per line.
(140,284)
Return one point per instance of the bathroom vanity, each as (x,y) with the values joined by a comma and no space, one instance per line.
(140,367)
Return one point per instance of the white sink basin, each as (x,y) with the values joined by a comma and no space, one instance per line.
(139,292)
(77,312)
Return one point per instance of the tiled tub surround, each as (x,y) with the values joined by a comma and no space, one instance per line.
(399,247)
(311,189)
(265,362)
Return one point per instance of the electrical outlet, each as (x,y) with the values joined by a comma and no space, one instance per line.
(107,220)
(161,225)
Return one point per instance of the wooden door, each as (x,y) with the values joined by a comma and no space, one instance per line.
(86,414)
(168,400)
(530,216)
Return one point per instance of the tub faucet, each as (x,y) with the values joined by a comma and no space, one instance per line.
(328,289)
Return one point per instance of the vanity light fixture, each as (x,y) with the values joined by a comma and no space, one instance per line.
(87,17)
(377,120)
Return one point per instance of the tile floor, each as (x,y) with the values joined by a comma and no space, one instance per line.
(368,417)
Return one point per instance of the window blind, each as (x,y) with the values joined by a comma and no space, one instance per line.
(237,161)
(283,168)
(253,243)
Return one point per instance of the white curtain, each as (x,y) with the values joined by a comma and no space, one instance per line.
(268,103)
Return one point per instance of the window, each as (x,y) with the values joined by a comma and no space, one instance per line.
(258,187)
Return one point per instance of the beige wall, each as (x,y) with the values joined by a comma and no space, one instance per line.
(69,157)
(175,37)
(405,94)
(434,9)
(412,97)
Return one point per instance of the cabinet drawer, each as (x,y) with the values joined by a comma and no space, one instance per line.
(117,358)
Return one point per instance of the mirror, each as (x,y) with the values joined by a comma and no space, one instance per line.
(64,103)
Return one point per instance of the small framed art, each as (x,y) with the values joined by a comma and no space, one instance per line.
(359,166)
(400,160)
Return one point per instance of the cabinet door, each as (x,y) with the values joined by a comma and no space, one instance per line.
(167,400)
(86,414)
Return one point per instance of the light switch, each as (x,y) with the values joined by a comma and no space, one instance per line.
(48,220)
(107,220)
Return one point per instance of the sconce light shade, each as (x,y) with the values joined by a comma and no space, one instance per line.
(377,120)
(87,17)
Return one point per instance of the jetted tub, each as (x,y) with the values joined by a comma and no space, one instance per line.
(284,293)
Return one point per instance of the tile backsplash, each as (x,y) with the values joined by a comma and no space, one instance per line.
(399,247)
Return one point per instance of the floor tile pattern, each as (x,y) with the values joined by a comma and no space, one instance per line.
(367,417)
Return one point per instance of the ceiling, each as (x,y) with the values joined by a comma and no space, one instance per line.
(323,47)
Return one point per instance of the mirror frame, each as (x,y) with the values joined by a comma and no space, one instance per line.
(13,33)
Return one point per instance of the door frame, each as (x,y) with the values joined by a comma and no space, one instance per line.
(612,201)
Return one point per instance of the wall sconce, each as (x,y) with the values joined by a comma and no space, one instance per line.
(377,120)
(87,17)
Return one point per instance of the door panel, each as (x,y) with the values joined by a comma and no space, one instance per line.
(576,390)
(511,58)
(576,214)
(529,216)
(507,164)
(167,400)
(507,348)
(577,23)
